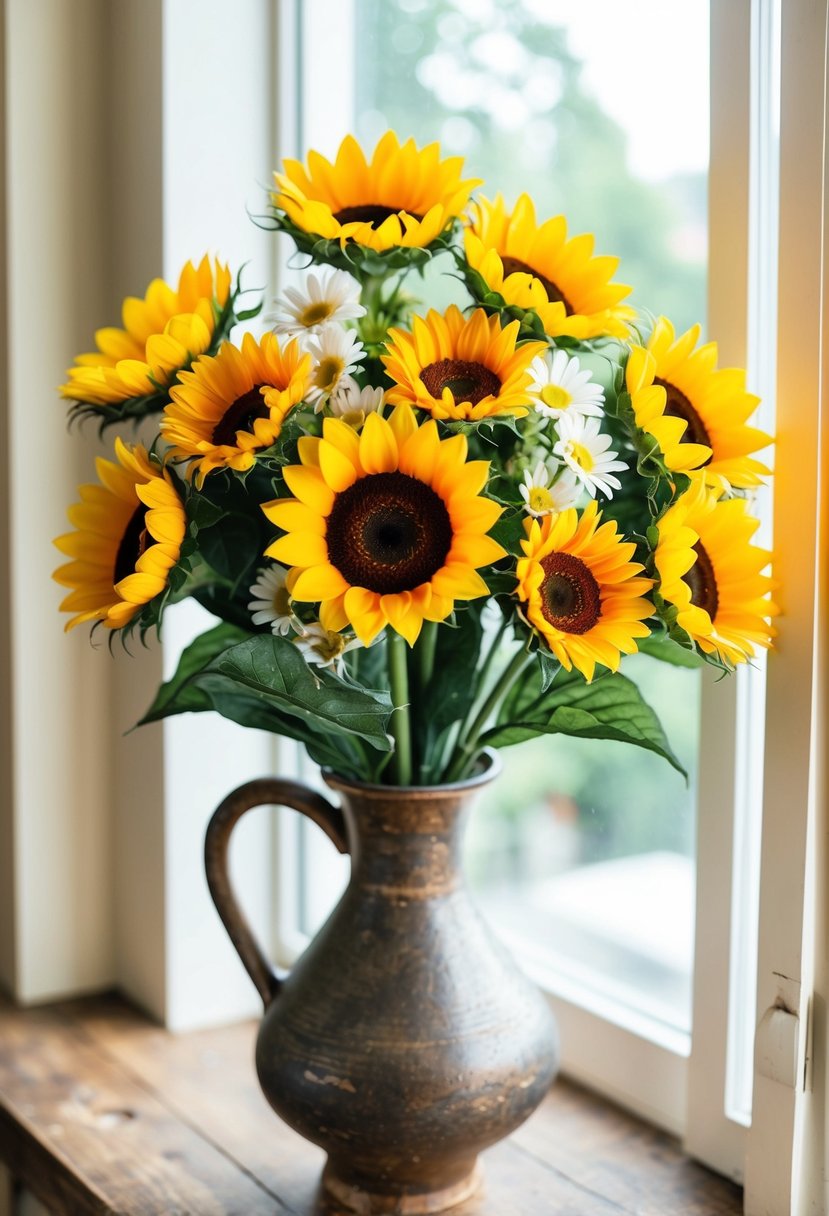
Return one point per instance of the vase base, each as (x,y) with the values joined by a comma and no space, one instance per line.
(409,1202)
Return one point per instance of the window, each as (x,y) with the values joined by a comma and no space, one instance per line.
(658,1019)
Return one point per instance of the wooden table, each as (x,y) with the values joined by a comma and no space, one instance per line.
(103,1112)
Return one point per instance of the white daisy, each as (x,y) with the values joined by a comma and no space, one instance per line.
(273,603)
(331,295)
(352,403)
(324,647)
(336,352)
(542,498)
(558,386)
(583,447)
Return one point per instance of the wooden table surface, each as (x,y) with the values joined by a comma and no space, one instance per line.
(103,1112)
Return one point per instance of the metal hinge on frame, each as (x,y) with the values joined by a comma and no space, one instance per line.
(777,1042)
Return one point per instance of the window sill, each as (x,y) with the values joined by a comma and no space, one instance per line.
(101,1111)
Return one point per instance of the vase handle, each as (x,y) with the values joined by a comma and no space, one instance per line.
(266,791)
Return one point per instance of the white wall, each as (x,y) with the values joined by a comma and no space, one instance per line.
(56,829)
(136,132)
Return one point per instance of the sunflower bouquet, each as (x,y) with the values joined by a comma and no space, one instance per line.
(422,533)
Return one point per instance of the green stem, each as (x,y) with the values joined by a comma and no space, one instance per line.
(468,748)
(421,667)
(400,724)
(425,651)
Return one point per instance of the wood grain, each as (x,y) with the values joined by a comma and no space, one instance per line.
(86,1138)
(103,1112)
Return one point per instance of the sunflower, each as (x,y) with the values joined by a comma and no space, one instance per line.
(404,196)
(535,266)
(127,539)
(712,574)
(233,404)
(162,333)
(649,403)
(711,401)
(582,592)
(386,527)
(456,367)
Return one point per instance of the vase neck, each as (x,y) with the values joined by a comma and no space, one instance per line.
(406,844)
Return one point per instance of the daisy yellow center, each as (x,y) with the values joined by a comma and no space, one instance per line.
(282,601)
(315,313)
(582,456)
(330,647)
(372,214)
(570,597)
(541,499)
(354,418)
(328,371)
(677,405)
(703,582)
(554,295)
(134,542)
(556,397)
(465,379)
(388,532)
(240,416)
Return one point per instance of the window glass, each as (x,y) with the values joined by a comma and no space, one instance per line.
(583,853)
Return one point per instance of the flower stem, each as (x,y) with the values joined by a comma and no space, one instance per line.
(400,724)
(468,748)
(421,668)
(425,651)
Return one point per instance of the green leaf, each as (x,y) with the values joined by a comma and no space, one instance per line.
(664,648)
(179,695)
(509,532)
(331,751)
(549,668)
(203,513)
(232,548)
(273,671)
(612,707)
(453,686)
(249,313)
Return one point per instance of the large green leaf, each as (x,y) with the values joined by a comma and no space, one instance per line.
(339,752)
(273,671)
(179,695)
(664,648)
(612,707)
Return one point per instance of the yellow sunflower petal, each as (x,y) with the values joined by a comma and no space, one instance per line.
(378,446)
(128,538)
(394,538)
(317,583)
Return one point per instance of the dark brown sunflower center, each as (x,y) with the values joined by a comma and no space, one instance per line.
(678,406)
(554,295)
(370,213)
(240,416)
(388,532)
(466,381)
(134,542)
(703,582)
(570,598)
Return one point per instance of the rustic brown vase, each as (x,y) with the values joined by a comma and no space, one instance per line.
(405,1039)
